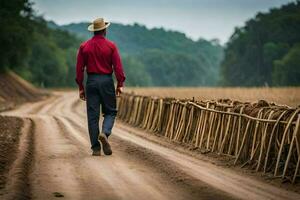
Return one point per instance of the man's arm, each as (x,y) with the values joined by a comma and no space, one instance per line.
(118,69)
(80,73)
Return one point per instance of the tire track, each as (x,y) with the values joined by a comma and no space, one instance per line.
(137,169)
(117,181)
(17,186)
(55,162)
(117,173)
(148,162)
(225,180)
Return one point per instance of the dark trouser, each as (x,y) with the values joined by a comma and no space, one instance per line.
(100,90)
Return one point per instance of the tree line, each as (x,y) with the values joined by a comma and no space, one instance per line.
(266,51)
(156,57)
(45,53)
(41,55)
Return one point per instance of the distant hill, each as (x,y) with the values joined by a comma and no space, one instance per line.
(45,53)
(181,61)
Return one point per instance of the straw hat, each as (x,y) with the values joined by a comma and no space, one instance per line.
(98,25)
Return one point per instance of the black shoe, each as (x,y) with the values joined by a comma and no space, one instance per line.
(96,153)
(106,146)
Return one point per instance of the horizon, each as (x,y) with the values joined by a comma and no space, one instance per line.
(143,25)
(216,22)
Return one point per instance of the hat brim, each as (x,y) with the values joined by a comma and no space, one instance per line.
(92,29)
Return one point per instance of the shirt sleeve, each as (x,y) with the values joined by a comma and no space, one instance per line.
(118,68)
(80,68)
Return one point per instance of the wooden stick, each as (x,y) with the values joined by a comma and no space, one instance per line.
(262,144)
(259,115)
(210,130)
(204,126)
(291,147)
(199,128)
(243,142)
(233,134)
(217,131)
(283,139)
(189,124)
(239,131)
(225,134)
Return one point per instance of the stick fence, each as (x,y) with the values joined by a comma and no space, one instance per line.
(264,136)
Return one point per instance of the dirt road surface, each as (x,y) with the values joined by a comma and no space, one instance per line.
(62,165)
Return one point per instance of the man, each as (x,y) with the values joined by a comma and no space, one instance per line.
(100,57)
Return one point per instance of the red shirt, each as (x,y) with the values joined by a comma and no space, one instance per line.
(101,56)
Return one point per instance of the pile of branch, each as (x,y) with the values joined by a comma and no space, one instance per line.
(264,136)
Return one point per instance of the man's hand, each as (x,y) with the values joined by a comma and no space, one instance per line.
(82,95)
(119,91)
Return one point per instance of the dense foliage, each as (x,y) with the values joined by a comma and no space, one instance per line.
(158,57)
(52,59)
(45,53)
(266,50)
(39,54)
(15,32)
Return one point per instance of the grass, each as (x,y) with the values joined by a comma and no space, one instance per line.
(284,96)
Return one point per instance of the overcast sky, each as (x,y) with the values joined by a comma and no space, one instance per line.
(196,18)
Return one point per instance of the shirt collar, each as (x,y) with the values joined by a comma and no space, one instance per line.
(99,36)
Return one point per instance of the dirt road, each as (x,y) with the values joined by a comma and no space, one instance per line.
(62,164)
